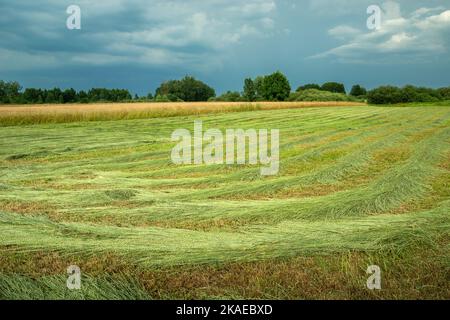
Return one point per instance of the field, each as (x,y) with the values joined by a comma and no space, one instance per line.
(358,185)
(34,114)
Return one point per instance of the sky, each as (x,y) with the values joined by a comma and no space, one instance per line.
(137,44)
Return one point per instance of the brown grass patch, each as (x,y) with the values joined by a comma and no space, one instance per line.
(27,208)
(414,275)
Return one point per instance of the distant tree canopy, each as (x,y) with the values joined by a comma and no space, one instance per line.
(186,89)
(259,87)
(384,95)
(309,86)
(249,90)
(333,87)
(392,95)
(444,93)
(276,87)
(113,95)
(358,91)
(229,96)
(9,92)
(273,87)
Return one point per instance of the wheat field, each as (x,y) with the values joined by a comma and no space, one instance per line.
(358,185)
(33,114)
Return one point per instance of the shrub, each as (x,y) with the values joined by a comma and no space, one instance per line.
(229,96)
(309,86)
(162,98)
(319,95)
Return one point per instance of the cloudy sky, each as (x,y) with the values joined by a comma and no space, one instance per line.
(136,44)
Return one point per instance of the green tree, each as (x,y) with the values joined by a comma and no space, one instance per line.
(50,97)
(2,92)
(411,93)
(10,92)
(82,97)
(69,96)
(276,87)
(249,90)
(32,95)
(385,95)
(259,87)
(444,93)
(358,91)
(333,87)
(186,89)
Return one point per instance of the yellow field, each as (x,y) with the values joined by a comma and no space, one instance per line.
(33,114)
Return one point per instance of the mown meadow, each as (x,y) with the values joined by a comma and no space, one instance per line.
(358,185)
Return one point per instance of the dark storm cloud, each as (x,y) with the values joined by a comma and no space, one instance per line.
(136,44)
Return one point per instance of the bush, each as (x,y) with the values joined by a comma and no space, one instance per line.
(309,86)
(160,98)
(319,95)
(229,96)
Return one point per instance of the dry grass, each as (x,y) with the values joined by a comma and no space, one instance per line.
(114,107)
(34,114)
(341,276)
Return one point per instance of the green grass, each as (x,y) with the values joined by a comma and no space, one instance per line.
(357,185)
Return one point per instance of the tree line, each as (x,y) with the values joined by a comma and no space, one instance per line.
(11,93)
(272,87)
(407,94)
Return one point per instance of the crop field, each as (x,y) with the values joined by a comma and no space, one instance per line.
(358,186)
(34,114)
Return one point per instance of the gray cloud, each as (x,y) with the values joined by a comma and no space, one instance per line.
(418,36)
(137,44)
(152,33)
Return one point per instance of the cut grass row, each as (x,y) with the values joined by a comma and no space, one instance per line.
(175,202)
(355,181)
